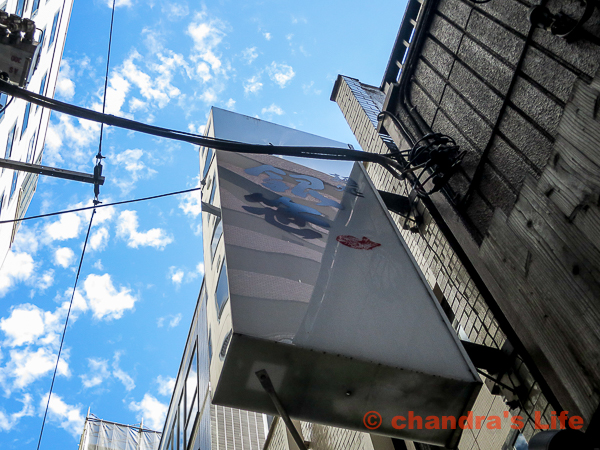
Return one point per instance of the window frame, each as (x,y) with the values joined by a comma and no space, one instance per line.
(10,141)
(215,244)
(54,29)
(35,7)
(221,307)
(13,185)
(26,118)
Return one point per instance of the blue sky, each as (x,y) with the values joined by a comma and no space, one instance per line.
(171,61)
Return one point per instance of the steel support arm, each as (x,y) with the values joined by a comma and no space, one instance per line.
(51,171)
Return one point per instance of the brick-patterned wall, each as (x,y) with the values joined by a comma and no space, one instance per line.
(463,75)
(523,104)
(443,271)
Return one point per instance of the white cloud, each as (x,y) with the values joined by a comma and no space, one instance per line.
(131,161)
(273,109)
(165,385)
(17,267)
(200,268)
(207,34)
(99,239)
(179,275)
(155,87)
(127,228)
(26,240)
(230,104)
(64,257)
(253,85)
(67,416)
(98,372)
(29,324)
(135,104)
(24,325)
(98,265)
(121,375)
(105,300)
(151,410)
(249,54)
(308,88)
(67,227)
(65,87)
(176,275)
(281,74)
(44,281)
(75,134)
(118,3)
(38,331)
(26,366)
(175,11)
(267,36)
(173,320)
(8,421)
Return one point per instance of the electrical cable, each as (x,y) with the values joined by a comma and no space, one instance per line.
(331,153)
(99,157)
(65,329)
(86,208)
(6,106)
(112,19)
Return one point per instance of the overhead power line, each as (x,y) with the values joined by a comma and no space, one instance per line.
(62,340)
(333,153)
(85,208)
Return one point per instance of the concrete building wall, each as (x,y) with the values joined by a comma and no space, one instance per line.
(449,279)
(28,136)
(524,206)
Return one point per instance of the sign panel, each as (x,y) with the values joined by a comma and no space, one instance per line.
(322,292)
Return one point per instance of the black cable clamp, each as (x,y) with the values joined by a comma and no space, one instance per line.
(97,175)
(437,155)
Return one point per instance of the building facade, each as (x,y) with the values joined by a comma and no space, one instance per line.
(509,244)
(23,126)
(193,422)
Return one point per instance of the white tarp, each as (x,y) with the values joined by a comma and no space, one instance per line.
(101,435)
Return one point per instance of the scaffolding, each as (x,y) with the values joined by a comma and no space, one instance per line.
(99,434)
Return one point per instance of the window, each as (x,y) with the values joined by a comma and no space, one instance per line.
(222,294)
(53,31)
(209,340)
(180,441)
(1,202)
(3,102)
(9,142)
(191,384)
(215,239)
(20,6)
(43,84)
(35,7)
(41,40)
(13,185)
(520,442)
(31,149)
(207,161)
(212,192)
(26,118)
